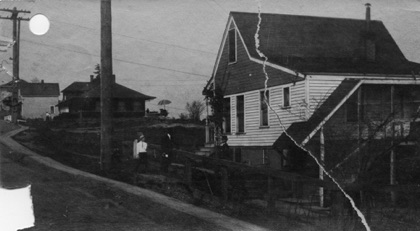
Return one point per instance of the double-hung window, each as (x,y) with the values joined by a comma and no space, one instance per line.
(286,97)
(264,101)
(240,114)
(226,115)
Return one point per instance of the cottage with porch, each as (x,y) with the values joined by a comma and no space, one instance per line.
(331,87)
(83,98)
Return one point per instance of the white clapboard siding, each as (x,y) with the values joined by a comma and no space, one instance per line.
(320,89)
(255,135)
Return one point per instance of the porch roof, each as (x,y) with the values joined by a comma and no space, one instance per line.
(301,131)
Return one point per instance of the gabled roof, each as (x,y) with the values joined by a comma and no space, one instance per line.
(79,86)
(36,89)
(301,131)
(40,89)
(92,89)
(310,44)
(118,91)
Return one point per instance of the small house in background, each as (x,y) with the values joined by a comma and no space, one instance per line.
(83,98)
(37,98)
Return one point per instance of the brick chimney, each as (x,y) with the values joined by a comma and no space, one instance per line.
(91,78)
(370,46)
(367,16)
(42,81)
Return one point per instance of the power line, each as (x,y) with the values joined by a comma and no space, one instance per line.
(220,6)
(120,60)
(162,68)
(141,39)
(167,80)
(146,40)
(182,84)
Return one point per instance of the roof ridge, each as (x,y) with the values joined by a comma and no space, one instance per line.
(304,16)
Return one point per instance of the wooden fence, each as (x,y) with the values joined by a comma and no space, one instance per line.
(259,182)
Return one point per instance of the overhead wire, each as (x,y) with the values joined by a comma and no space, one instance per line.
(122,60)
(117,59)
(142,39)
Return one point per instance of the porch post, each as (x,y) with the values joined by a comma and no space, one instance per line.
(392,155)
(225,183)
(359,118)
(188,172)
(207,131)
(207,123)
(321,158)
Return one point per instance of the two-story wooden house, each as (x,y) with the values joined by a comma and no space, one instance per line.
(83,98)
(340,77)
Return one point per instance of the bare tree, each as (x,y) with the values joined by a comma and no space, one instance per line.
(183,116)
(195,109)
(35,80)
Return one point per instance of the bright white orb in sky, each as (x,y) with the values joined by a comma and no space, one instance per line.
(39,24)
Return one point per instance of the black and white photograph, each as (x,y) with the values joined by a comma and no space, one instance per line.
(209,115)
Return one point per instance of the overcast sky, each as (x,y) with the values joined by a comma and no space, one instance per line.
(167,48)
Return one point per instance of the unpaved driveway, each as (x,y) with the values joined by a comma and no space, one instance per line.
(66,202)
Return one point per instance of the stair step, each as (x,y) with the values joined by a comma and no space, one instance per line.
(209,145)
(201,153)
(206,149)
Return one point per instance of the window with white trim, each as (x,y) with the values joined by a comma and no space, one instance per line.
(226,115)
(264,100)
(232,45)
(240,114)
(286,97)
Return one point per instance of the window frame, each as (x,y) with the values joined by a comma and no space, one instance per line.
(240,115)
(289,103)
(227,115)
(264,108)
(234,58)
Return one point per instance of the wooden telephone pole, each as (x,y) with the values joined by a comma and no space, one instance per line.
(106,84)
(16,39)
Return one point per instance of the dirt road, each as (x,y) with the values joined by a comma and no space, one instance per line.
(68,201)
(65,202)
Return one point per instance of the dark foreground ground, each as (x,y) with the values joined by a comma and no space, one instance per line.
(65,202)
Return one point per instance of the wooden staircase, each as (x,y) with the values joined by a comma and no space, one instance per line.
(206,150)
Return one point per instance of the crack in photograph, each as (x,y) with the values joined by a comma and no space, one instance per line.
(209,115)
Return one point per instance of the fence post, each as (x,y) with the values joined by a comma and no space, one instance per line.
(271,203)
(188,172)
(225,183)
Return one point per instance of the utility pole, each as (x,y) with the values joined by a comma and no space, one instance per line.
(106,84)
(16,39)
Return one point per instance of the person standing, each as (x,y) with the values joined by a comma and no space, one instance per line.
(167,145)
(47,116)
(224,150)
(141,153)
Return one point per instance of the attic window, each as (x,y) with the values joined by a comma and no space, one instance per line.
(232,46)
